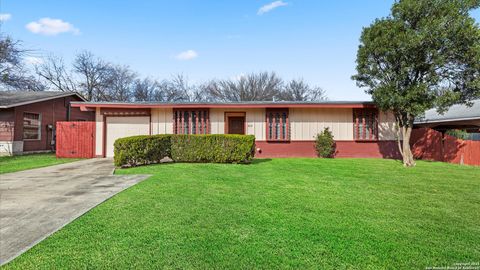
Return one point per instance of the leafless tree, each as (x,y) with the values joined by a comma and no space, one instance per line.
(95,74)
(54,72)
(144,89)
(176,89)
(262,86)
(100,80)
(200,94)
(10,55)
(119,84)
(24,82)
(299,90)
(13,73)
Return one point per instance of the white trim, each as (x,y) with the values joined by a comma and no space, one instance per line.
(39,127)
(42,99)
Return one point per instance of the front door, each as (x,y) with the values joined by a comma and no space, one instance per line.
(236,125)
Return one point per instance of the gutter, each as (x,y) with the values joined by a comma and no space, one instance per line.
(448,120)
(85,106)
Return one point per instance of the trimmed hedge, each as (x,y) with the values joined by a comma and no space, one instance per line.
(213,148)
(140,150)
(218,148)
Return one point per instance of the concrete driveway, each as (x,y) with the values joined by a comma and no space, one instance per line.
(36,203)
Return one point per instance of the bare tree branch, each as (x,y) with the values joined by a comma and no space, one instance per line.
(299,90)
(95,75)
(53,70)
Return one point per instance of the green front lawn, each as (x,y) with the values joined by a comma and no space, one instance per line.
(281,213)
(25,162)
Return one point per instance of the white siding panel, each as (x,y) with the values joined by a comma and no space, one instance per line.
(216,121)
(98,133)
(386,126)
(168,121)
(307,123)
(162,121)
(155,121)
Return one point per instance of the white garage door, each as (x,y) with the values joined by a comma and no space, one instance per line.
(119,127)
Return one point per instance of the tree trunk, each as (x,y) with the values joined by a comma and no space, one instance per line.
(406,152)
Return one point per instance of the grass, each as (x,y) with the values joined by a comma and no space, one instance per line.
(25,162)
(281,213)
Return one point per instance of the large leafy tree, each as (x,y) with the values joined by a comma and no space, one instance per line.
(425,54)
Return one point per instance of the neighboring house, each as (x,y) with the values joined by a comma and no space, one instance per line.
(457,117)
(27,119)
(281,129)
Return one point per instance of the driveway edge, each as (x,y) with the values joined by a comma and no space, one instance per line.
(141,177)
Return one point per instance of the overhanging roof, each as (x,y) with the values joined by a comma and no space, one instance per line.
(9,99)
(454,113)
(249,104)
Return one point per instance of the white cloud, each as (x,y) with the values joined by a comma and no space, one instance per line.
(269,7)
(5,17)
(187,55)
(31,60)
(51,27)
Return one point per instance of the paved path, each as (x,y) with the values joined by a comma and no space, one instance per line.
(36,203)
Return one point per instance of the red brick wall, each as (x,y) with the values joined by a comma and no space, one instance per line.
(7,117)
(51,111)
(353,149)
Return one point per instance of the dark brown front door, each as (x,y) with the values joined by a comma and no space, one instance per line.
(236,125)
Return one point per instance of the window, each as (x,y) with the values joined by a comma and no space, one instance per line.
(190,121)
(32,124)
(278,128)
(365,124)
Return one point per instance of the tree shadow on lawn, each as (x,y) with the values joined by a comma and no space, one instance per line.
(259,161)
(254,161)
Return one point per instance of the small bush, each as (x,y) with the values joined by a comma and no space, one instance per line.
(213,148)
(458,133)
(324,144)
(140,150)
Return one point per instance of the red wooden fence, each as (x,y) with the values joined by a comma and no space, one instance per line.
(429,144)
(75,139)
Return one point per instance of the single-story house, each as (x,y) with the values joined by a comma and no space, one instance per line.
(27,119)
(281,129)
(456,117)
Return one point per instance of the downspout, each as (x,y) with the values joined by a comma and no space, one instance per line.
(68,111)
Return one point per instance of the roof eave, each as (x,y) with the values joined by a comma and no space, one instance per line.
(85,106)
(42,99)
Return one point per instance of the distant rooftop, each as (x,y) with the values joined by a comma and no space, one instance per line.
(10,99)
(454,113)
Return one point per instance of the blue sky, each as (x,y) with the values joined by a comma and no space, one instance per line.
(310,39)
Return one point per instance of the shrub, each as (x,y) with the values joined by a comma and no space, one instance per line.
(458,133)
(324,144)
(140,150)
(213,148)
